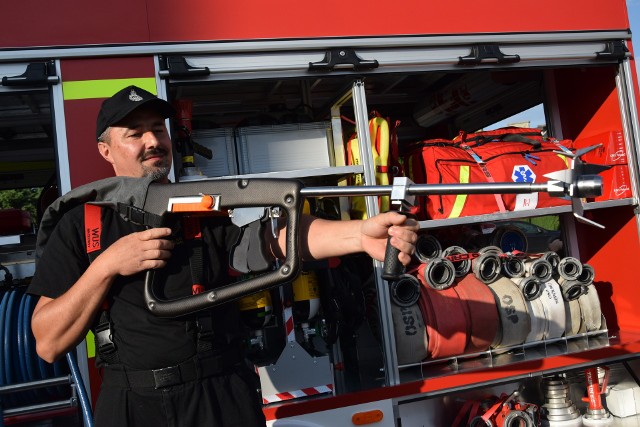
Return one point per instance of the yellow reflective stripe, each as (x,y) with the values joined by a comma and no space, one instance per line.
(88,89)
(91,345)
(564,159)
(460,198)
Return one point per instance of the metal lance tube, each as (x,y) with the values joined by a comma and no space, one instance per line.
(590,186)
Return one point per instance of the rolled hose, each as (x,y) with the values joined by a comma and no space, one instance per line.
(427,248)
(513,267)
(515,321)
(493,249)
(590,309)
(539,268)
(438,273)
(572,289)
(539,321)
(509,238)
(553,259)
(573,314)
(486,267)
(554,308)
(445,318)
(569,268)
(405,291)
(462,266)
(588,274)
(410,334)
(530,286)
(481,311)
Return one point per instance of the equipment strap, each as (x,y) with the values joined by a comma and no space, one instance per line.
(485,171)
(103,328)
(139,216)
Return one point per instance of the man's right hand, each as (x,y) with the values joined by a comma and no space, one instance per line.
(59,324)
(140,251)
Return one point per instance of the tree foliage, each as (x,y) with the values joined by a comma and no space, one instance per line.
(24,198)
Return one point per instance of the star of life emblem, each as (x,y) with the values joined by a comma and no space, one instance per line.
(527,201)
(133,96)
(523,173)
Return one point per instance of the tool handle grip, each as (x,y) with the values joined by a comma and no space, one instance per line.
(392,268)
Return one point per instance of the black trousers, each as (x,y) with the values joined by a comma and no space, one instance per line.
(229,399)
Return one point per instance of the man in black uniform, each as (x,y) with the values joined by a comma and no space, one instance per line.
(166,371)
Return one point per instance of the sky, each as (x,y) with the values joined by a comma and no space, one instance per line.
(535,115)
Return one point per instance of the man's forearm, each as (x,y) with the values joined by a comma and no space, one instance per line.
(320,238)
(61,323)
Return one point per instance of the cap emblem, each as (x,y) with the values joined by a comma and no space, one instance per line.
(133,96)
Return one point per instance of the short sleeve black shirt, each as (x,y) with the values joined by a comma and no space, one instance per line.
(143,340)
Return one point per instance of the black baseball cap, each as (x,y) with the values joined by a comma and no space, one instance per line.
(124,102)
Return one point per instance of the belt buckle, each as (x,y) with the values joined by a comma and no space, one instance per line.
(167,377)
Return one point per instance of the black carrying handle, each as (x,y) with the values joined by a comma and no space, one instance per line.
(392,268)
(234,193)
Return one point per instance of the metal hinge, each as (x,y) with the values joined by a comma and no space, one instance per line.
(614,50)
(36,74)
(487,53)
(345,58)
(176,67)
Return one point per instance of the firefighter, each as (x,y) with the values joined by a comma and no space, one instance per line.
(186,371)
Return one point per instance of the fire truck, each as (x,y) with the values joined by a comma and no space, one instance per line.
(286,90)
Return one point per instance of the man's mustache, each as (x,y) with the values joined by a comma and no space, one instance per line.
(154,152)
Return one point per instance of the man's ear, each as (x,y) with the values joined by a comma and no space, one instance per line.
(105,151)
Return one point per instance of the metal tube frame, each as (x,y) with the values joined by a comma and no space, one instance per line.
(630,128)
(384,301)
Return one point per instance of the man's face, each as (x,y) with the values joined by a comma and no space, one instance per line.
(139,145)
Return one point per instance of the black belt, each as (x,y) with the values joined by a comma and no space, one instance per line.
(190,370)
